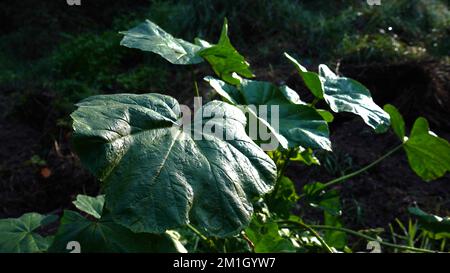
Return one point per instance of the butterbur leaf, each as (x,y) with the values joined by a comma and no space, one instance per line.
(150,37)
(225,59)
(343,95)
(90,205)
(428,154)
(104,235)
(311,79)
(158,175)
(397,122)
(438,226)
(19,235)
(347,95)
(299,124)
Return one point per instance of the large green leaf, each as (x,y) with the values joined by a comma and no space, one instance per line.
(428,154)
(104,235)
(299,124)
(397,122)
(90,205)
(438,226)
(150,37)
(343,95)
(347,95)
(225,59)
(159,176)
(19,235)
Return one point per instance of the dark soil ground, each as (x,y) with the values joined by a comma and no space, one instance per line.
(373,199)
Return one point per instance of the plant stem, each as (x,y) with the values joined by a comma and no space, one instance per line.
(367,237)
(309,228)
(282,170)
(315,101)
(197,232)
(347,176)
(249,242)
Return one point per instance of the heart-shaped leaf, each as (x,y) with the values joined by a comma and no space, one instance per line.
(343,95)
(158,176)
(19,235)
(347,95)
(90,205)
(299,124)
(150,37)
(428,154)
(104,235)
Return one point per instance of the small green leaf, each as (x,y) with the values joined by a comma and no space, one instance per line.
(312,80)
(299,124)
(428,154)
(347,95)
(306,156)
(438,226)
(328,201)
(19,235)
(397,122)
(225,59)
(158,175)
(104,235)
(150,37)
(266,237)
(90,205)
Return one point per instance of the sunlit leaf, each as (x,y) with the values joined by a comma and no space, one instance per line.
(159,176)
(343,95)
(428,154)
(225,59)
(347,95)
(397,122)
(299,124)
(150,37)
